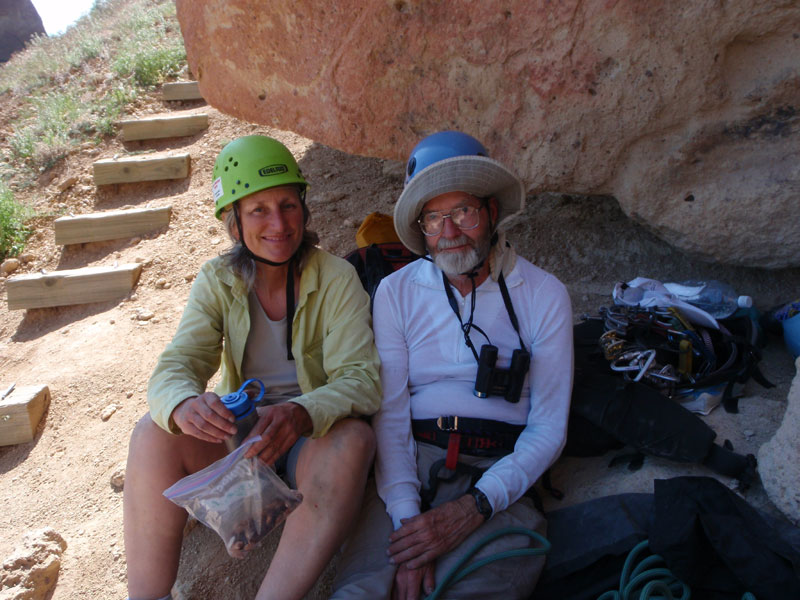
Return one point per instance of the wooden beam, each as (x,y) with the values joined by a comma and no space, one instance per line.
(141,168)
(110,225)
(20,413)
(163,127)
(181,90)
(77,286)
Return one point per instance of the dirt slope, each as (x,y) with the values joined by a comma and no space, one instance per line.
(96,356)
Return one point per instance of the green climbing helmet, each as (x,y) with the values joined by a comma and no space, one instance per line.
(250,164)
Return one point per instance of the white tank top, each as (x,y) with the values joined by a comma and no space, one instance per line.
(265,356)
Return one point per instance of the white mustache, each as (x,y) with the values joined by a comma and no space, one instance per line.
(444,243)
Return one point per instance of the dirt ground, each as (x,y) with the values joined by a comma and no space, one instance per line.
(97,356)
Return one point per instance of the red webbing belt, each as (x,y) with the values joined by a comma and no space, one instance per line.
(477,437)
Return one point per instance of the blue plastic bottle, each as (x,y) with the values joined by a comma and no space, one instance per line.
(243,408)
(715,297)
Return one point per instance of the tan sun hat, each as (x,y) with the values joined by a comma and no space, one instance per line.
(451,161)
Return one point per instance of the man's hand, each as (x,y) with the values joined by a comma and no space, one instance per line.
(279,426)
(204,417)
(407,582)
(425,537)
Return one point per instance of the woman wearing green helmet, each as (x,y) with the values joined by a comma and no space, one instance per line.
(278,309)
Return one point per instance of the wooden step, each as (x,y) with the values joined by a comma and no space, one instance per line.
(76,286)
(110,225)
(181,90)
(20,413)
(166,126)
(141,168)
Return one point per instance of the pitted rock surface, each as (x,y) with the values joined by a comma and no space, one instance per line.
(688,116)
(32,570)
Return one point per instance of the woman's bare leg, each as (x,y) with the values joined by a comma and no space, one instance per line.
(153,524)
(331,475)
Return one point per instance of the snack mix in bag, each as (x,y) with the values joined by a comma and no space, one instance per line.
(242,499)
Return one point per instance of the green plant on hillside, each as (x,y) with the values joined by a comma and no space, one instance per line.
(13,231)
(51,128)
(74,87)
(147,53)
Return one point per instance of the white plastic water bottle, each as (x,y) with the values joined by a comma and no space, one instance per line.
(715,297)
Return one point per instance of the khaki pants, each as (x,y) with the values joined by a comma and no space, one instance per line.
(365,572)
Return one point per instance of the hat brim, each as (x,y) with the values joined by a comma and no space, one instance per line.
(479,176)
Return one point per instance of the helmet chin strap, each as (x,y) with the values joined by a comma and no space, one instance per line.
(289,281)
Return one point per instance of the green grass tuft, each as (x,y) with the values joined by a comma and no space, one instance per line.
(13,231)
(74,87)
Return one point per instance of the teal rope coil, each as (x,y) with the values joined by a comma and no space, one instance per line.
(650,580)
(459,571)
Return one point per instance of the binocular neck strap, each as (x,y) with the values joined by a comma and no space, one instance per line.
(501,281)
(469,325)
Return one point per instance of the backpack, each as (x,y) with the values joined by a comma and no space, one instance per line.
(631,371)
(380,252)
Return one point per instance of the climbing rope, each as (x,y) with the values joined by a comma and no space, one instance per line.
(459,570)
(650,579)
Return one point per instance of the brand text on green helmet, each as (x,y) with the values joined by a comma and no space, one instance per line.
(272,170)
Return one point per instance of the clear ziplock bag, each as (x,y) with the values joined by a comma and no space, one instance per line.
(240,498)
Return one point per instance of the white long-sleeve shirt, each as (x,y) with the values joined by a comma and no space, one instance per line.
(427,371)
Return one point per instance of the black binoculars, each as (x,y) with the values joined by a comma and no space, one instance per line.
(492,380)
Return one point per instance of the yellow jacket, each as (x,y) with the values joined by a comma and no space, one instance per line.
(332,343)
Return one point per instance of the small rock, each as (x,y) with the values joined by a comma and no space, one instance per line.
(26,257)
(128,394)
(749,433)
(118,477)
(108,411)
(212,229)
(111,321)
(32,569)
(143,314)
(161,283)
(349,223)
(133,297)
(215,241)
(135,241)
(9,265)
(189,277)
(67,183)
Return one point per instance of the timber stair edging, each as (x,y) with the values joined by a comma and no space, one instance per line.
(110,225)
(71,286)
(181,90)
(103,283)
(134,169)
(162,126)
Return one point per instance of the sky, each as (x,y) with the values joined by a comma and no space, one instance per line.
(57,15)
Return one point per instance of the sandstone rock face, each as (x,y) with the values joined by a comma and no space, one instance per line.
(30,573)
(19,22)
(687,113)
(779,459)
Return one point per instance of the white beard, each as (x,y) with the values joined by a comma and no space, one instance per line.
(457,263)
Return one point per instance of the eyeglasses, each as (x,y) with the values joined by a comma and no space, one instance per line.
(463,217)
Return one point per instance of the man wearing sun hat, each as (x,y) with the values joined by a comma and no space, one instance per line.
(476,352)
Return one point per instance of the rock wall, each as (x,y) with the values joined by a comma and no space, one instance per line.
(779,459)
(687,113)
(19,22)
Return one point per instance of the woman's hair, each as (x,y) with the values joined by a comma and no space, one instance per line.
(243,265)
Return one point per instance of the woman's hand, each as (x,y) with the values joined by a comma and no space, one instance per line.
(279,426)
(424,538)
(407,582)
(205,417)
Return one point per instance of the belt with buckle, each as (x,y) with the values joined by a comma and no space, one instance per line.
(476,437)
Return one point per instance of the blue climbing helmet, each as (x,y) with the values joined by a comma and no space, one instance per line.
(451,161)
